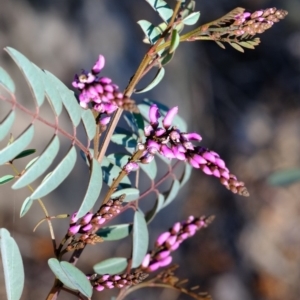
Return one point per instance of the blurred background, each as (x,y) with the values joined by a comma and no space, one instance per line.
(245,106)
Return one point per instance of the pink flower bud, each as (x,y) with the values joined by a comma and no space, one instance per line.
(105,80)
(193,136)
(146,261)
(99,288)
(209,156)
(73,218)
(162,238)
(105,121)
(87,227)
(86,219)
(99,64)
(165,262)
(171,241)
(153,267)
(162,254)
(168,119)
(153,114)
(73,229)
(176,228)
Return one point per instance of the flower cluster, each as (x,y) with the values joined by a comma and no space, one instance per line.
(90,223)
(103,95)
(170,142)
(100,282)
(259,21)
(170,240)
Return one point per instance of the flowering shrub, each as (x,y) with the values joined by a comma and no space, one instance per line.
(154,131)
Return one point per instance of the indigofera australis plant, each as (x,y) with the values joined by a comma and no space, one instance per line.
(154,132)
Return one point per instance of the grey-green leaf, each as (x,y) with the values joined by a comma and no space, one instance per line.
(40,165)
(119,159)
(12,266)
(31,73)
(12,150)
(157,79)
(156,208)
(150,169)
(78,278)
(186,174)
(125,140)
(111,171)
(284,177)
(140,239)
(172,193)
(56,268)
(6,178)
(52,93)
(68,98)
(163,9)
(131,194)
(6,80)
(25,206)
(192,18)
(6,124)
(89,123)
(57,176)
(152,33)
(93,190)
(111,266)
(114,232)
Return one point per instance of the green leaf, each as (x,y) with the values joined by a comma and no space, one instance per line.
(89,123)
(6,178)
(31,73)
(247,45)
(236,47)
(150,169)
(39,165)
(175,40)
(172,192)
(167,57)
(220,44)
(111,171)
(131,194)
(152,33)
(186,174)
(115,232)
(12,266)
(12,150)
(57,176)
(124,140)
(284,177)
(111,266)
(192,18)
(6,80)
(140,239)
(25,206)
(78,278)
(156,208)
(68,98)
(6,124)
(52,93)
(157,79)
(25,153)
(163,9)
(93,190)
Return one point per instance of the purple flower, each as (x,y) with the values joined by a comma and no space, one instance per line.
(170,240)
(98,92)
(170,142)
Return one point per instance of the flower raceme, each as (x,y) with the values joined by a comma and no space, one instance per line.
(170,142)
(169,241)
